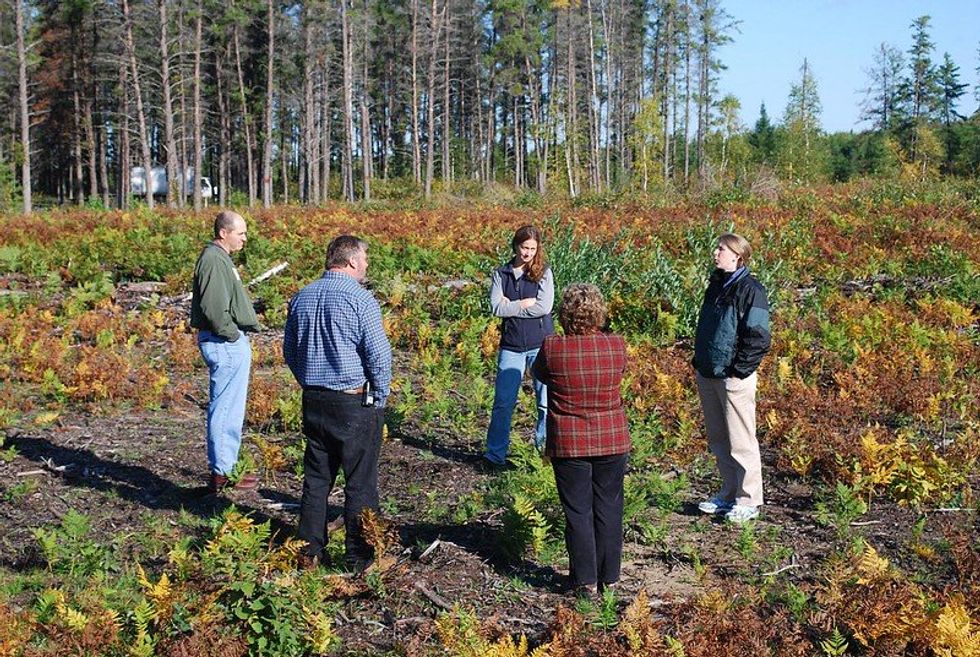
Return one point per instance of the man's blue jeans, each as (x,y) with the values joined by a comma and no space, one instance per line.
(228,365)
(510,372)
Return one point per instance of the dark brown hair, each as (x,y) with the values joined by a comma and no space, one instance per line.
(342,249)
(535,269)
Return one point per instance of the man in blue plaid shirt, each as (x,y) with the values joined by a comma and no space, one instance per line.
(336,347)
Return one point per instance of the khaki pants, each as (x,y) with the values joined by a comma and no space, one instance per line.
(729,416)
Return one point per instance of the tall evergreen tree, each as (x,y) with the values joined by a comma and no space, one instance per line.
(882,96)
(950,88)
(762,139)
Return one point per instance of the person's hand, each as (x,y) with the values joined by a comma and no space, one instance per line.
(505,299)
(527,303)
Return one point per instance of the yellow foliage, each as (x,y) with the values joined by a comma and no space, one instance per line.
(160,593)
(321,637)
(871,567)
(639,628)
(784,371)
(490,340)
(713,602)
(461,635)
(954,636)
(283,558)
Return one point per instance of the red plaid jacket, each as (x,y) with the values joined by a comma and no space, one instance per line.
(585,411)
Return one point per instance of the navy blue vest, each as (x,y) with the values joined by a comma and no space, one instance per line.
(522,333)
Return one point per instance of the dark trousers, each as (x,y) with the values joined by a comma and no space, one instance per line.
(591,493)
(340,433)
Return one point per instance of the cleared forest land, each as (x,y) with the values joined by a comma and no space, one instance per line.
(868,413)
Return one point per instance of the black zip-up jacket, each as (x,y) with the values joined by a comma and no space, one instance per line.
(733,326)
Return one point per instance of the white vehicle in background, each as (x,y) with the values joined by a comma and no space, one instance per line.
(158,183)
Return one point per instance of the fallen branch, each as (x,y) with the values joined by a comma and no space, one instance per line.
(30,473)
(49,464)
(434,598)
(951,509)
(429,549)
(268,273)
(866,523)
(780,570)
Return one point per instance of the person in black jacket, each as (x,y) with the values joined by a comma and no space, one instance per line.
(522,293)
(732,338)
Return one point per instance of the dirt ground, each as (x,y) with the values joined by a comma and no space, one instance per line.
(133,471)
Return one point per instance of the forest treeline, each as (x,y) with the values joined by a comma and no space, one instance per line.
(359,99)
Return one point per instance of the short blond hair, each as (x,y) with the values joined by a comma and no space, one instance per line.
(737,245)
(583,310)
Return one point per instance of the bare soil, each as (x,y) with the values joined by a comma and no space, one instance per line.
(133,471)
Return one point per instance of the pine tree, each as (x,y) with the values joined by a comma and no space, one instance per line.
(951,89)
(762,139)
(882,96)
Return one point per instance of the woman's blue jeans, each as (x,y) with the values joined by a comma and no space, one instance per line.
(228,365)
(510,372)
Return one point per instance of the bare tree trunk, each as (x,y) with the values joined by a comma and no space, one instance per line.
(103,162)
(198,114)
(687,94)
(446,110)
(269,90)
(283,156)
(309,191)
(576,163)
(91,149)
(518,110)
(347,161)
(594,169)
(366,152)
(124,186)
(606,37)
(430,110)
(77,174)
(669,73)
(326,145)
(416,146)
(180,189)
(173,185)
(225,123)
(25,115)
(140,115)
(246,120)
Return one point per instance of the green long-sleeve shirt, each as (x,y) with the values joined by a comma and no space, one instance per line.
(219,303)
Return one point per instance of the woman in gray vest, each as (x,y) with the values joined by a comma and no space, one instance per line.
(522,293)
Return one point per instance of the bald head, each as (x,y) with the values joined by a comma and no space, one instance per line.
(229,231)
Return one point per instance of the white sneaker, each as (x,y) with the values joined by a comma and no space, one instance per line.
(715,505)
(740,514)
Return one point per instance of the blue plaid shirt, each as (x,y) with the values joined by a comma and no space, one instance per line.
(334,337)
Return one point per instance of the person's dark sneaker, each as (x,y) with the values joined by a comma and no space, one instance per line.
(581,592)
(486,466)
(358,564)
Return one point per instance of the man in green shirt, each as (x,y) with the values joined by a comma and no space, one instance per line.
(222,313)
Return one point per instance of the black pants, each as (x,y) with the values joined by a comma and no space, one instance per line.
(340,433)
(591,493)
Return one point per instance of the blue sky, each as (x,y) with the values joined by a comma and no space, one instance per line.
(839,38)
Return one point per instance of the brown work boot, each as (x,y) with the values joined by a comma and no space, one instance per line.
(247,481)
(217,483)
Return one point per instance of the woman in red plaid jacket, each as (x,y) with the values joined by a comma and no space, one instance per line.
(588,436)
